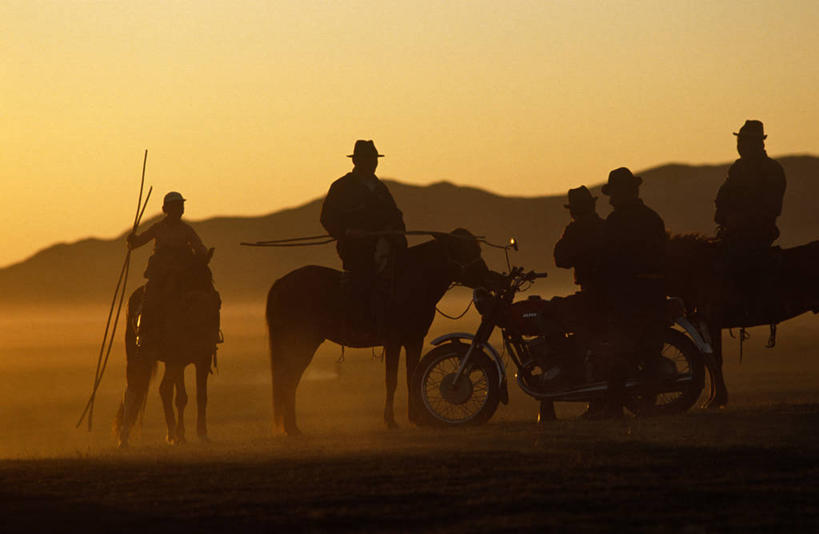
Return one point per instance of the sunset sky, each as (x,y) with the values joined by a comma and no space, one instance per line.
(249,107)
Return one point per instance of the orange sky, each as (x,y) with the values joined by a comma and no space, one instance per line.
(247,107)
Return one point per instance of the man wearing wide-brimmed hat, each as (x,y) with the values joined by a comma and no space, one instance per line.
(359,203)
(579,248)
(750,200)
(632,269)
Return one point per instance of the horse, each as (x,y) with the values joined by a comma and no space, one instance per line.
(189,335)
(693,273)
(307,306)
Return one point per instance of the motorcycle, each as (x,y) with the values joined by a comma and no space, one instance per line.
(463,379)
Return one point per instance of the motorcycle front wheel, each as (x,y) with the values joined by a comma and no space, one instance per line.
(471,400)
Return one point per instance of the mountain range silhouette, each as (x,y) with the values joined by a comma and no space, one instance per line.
(85,271)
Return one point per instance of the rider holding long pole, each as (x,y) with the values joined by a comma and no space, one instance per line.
(176,243)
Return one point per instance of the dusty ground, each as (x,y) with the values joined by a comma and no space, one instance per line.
(750,467)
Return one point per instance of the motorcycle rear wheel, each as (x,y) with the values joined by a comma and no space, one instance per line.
(689,361)
(471,401)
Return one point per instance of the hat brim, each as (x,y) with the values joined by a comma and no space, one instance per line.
(353,155)
(606,189)
(763,136)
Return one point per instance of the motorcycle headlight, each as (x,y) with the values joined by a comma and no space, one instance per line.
(483,300)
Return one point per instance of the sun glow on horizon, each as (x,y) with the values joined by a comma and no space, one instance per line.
(250,107)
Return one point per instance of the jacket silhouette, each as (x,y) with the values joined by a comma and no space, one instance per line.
(364,204)
(579,249)
(635,241)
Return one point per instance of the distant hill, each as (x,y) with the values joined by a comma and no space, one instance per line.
(85,271)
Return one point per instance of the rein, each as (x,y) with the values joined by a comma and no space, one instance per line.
(456,317)
(308,241)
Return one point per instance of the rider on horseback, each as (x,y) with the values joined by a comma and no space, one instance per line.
(747,206)
(357,204)
(176,244)
(750,200)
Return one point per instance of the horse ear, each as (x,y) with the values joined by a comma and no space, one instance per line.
(210,254)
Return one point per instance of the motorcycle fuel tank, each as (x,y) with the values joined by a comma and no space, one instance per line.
(526,316)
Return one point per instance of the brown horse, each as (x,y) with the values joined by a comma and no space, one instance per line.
(308,305)
(189,336)
(692,273)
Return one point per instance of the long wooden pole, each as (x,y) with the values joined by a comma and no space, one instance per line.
(119,295)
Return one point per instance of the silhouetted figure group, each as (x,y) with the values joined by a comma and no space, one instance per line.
(618,262)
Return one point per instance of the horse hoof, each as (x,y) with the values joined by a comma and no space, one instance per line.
(205,440)
(715,405)
(122,445)
(392,425)
(718,402)
(174,440)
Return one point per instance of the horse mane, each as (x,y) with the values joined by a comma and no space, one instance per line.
(690,245)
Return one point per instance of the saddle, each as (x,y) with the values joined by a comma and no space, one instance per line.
(752,281)
(366,302)
(187,314)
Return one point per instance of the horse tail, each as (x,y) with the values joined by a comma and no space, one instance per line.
(273,334)
(139,372)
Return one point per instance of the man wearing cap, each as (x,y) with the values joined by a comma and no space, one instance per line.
(175,244)
(632,272)
(359,203)
(750,200)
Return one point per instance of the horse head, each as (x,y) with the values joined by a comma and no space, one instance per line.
(463,254)
(197,275)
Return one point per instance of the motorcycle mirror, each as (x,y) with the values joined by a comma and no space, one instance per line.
(513,243)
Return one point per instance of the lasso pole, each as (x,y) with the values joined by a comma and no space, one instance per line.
(119,295)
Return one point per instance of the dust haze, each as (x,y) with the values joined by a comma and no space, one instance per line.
(49,354)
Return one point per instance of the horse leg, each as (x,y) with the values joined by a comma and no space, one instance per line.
(166,388)
(719,391)
(413,351)
(288,360)
(392,356)
(181,402)
(202,372)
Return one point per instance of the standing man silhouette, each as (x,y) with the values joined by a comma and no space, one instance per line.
(359,203)
(632,263)
(579,248)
